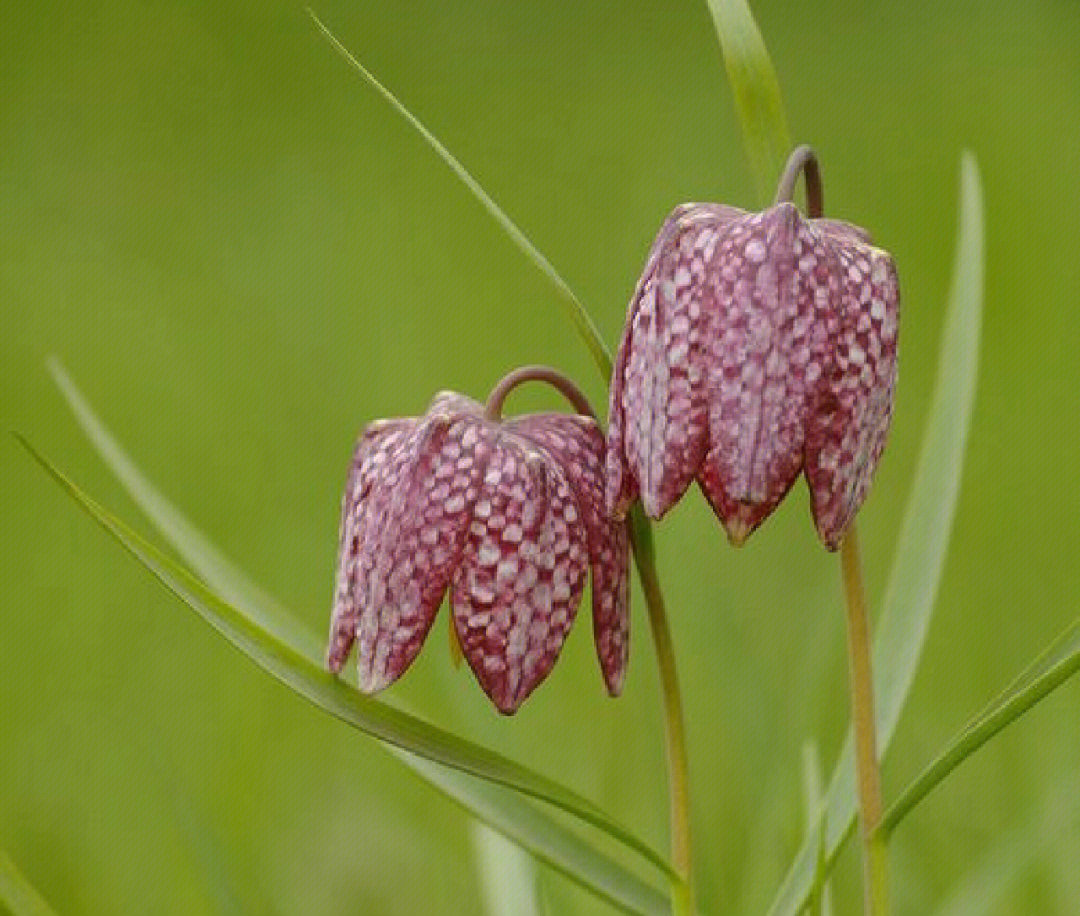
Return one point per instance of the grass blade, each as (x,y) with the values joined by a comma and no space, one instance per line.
(757,92)
(199,553)
(307,677)
(984,886)
(1050,670)
(17,895)
(820,897)
(924,538)
(530,828)
(576,311)
(508,875)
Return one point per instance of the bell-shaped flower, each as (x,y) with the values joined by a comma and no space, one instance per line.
(756,346)
(508,515)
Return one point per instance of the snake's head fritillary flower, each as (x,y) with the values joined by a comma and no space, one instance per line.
(507,515)
(757,345)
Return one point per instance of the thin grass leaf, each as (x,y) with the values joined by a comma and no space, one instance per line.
(910,596)
(17,895)
(758,101)
(507,873)
(531,829)
(576,311)
(211,565)
(820,902)
(983,887)
(307,677)
(1050,670)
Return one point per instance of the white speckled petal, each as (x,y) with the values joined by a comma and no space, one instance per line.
(659,411)
(517,587)
(850,421)
(766,356)
(379,450)
(415,532)
(577,444)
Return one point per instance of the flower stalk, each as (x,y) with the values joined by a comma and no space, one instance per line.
(867,770)
(860,674)
(682,896)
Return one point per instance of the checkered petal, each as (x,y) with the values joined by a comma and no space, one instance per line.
(378,450)
(577,445)
(772,276)
(658,410)
(415,529)
(851,416)
(517,587)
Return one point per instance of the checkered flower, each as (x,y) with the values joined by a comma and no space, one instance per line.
(757,345)
(506,514)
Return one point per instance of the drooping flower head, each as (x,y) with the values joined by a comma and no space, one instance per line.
(757,345)
(506,514)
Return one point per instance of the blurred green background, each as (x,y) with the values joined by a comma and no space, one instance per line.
(242,255)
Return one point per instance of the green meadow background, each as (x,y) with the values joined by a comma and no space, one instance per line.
(242,255)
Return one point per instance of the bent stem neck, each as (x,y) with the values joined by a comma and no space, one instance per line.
(552,377)
(802,160)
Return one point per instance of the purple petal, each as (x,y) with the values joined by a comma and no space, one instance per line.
(771,274)
(414,532)
(577,444)
(518,584)
(850,421)
(620,487)
(379,447)
(659,406)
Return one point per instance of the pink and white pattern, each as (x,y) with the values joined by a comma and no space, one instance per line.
(508,516)
(757,345)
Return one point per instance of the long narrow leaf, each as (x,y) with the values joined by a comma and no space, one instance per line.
(211,565)
(820,896)
(1050,670)
(309,679)
(17,895)
(531,829)
(508,876)
(984,885)
(910,596)
(577,312)
(757,92)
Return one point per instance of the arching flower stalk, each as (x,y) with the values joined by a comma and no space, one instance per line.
(506,514)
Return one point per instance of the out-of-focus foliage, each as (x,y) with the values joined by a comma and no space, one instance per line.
(243,255)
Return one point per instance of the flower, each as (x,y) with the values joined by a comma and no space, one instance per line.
(507,514)
(757,345)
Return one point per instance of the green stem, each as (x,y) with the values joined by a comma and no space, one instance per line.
(682,893)
(867,772)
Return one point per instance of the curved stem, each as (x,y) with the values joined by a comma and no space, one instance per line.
(867,772)
(682,896)
(493,408)
(802,159)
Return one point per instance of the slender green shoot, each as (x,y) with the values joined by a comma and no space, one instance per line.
(575,310)
(17,895)
(758,101)
(1059,662)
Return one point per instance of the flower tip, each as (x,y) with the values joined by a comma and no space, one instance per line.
(614,683)
(738,530)
(831,539)
(370,681)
